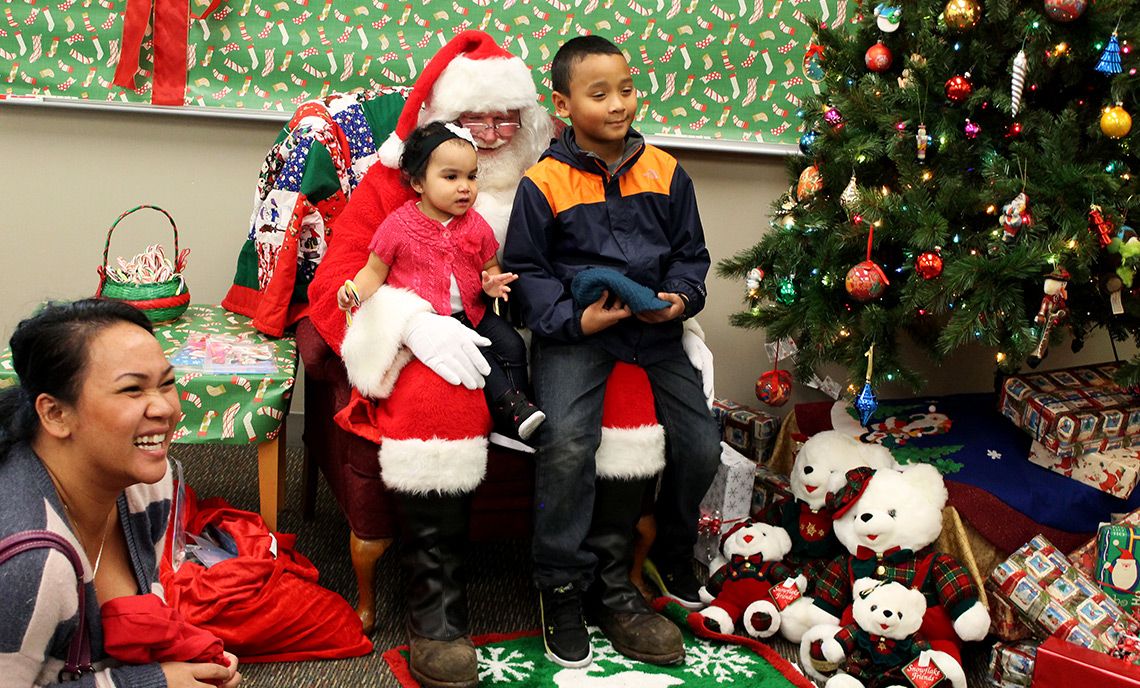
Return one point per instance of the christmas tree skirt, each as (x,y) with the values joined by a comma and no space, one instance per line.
(518,659)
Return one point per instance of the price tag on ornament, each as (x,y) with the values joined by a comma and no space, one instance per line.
(785,593)
(923,673)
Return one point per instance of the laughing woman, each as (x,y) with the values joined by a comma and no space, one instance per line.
(83,442)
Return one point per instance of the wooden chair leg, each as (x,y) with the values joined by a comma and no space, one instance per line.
(646,534)
(365,554)
(309,477)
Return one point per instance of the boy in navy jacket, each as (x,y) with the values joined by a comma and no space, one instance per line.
(601,197)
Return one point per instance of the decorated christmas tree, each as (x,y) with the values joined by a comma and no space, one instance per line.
(968,172)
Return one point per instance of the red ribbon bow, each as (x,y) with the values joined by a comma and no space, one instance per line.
(171,23)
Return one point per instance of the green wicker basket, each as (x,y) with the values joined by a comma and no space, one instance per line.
(161,301)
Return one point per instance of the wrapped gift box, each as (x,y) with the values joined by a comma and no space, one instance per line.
(1064,665)
(750,431)
(1011,665)
(1117,546)
(1054,598)
(1114,472)
(728,500)
(1071,410)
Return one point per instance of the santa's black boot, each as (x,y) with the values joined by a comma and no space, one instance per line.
(616,605)
(434,530)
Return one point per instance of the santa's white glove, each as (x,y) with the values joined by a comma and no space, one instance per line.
(693,341)
(449,348)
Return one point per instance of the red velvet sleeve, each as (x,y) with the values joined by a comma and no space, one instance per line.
(380,192)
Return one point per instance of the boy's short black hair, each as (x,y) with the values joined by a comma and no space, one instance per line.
(574,51)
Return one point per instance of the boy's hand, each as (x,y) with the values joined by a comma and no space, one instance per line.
(495,286)
(602,314)
(675,310)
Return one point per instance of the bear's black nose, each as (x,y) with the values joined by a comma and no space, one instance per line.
(865,517)
(888,613)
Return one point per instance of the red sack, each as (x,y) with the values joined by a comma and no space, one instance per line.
(142,629)
(265,608)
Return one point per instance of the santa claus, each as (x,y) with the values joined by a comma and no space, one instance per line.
(418,373)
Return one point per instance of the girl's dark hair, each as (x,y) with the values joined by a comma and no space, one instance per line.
(50,353)
(419,147)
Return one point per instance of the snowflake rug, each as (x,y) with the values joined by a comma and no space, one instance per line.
(518,659)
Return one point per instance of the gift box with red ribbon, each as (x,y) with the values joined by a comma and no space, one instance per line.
(1065,665)
(1074,410)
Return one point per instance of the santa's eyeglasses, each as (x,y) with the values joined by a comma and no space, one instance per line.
(499,127)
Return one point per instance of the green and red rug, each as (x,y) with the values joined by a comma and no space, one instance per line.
(518,659)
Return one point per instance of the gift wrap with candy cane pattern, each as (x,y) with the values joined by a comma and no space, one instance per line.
(219,408)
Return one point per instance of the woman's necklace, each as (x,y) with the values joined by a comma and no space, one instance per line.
(102,542)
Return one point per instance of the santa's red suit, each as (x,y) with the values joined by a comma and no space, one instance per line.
(432,434)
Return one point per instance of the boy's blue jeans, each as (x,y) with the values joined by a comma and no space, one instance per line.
(569,385)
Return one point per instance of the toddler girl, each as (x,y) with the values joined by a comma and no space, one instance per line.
(440,248)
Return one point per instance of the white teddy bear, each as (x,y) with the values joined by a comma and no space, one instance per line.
(741,590)
(807,518)
(879,648)
(888,520)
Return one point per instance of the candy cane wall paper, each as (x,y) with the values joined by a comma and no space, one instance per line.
(733,70)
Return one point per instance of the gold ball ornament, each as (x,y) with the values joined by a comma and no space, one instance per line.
(962,15)
(1115,122)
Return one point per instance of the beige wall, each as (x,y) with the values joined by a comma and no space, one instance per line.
(68,173)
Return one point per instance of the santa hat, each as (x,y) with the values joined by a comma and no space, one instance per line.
(841,500)
(633,442)
(469,74)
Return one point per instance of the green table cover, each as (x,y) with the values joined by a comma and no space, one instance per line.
(219,408)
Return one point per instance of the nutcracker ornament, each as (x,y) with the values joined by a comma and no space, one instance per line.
(1052,313)
(1014,216)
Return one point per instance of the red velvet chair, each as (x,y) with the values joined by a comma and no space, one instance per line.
(501,507)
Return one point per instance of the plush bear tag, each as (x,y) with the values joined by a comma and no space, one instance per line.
(923,673)
(785,593)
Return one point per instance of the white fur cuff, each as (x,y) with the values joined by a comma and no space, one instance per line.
(373,350)
(421,466)
(627,453)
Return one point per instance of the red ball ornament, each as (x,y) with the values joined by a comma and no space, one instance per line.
(866,281)
(958,88)
(774,387)
(928,265)
(878,58)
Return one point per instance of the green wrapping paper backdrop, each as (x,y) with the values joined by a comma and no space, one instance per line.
(714,69)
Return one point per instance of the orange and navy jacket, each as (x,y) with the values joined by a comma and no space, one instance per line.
(570,213)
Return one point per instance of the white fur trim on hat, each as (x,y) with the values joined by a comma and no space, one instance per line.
(373,349)
(421,466)
(626,453)
(485,85)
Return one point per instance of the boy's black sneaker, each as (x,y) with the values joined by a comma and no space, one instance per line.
(564,627)
(677,582)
